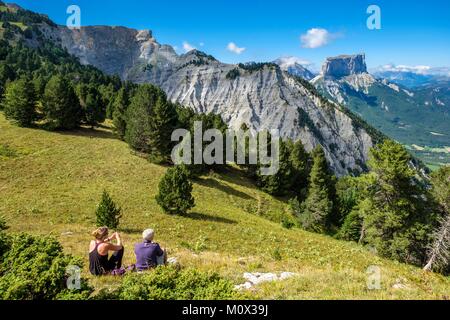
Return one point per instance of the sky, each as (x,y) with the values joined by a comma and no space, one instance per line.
(412,33)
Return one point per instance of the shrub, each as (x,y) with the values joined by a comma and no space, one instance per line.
(287,222)
(4,239)
(170,283)
(35,268)
(175,191)
(107,213)
(351,228)
(232,74)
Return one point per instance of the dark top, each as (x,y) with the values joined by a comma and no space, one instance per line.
(98,264)
(146,253)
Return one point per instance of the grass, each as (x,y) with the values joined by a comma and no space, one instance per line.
(55,181)
(20,25)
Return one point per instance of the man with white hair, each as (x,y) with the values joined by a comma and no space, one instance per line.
(148,253)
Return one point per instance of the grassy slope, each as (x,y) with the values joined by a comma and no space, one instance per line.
(55,180)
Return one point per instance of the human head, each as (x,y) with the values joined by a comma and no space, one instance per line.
(148,234)
(100,233)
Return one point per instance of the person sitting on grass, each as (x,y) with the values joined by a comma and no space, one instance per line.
(148,253)
(99,264)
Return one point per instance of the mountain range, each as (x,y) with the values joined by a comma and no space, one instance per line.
(281,95)
(261,95)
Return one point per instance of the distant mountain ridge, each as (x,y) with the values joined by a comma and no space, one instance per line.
(293,66)
(419,116)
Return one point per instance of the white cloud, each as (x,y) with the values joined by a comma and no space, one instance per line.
(234,48)
(202,44)
(405,68)
(316,37)
(289,61)
(188,47)
(419,69)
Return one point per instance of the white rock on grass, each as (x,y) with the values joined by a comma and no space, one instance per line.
(255,278)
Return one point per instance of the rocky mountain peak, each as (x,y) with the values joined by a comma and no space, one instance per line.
(294,66)
(144,35)
(344,65)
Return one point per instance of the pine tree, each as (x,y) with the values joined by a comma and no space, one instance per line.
(163,122)
(299,159)
(60,104)
(119,115)
(139,117)
(318,205)
(20,102)
(107,98)
(175,191)
(107,213)
(280,183)
(395,222)
(91,104)
(6,73)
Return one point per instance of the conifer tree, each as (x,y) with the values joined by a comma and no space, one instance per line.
(175,191)
(20,102)
(299,159)
(119,115)
(60,104)
(139,117)
(280,183)
(318,205)
(163,122)
(92,104)
(107,213)
(395,222)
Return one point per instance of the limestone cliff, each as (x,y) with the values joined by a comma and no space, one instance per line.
(261,95)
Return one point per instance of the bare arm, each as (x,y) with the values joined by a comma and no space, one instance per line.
(112,246)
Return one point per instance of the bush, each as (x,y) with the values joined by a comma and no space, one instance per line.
(286,222)
(35,268)
(170,283)
(351,228)
(232,74)
(107,213)
(4,239)
(175,191)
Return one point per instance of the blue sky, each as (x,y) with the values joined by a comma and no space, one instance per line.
(412,32)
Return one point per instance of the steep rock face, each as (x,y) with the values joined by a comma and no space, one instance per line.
(263,97)
(344,65)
